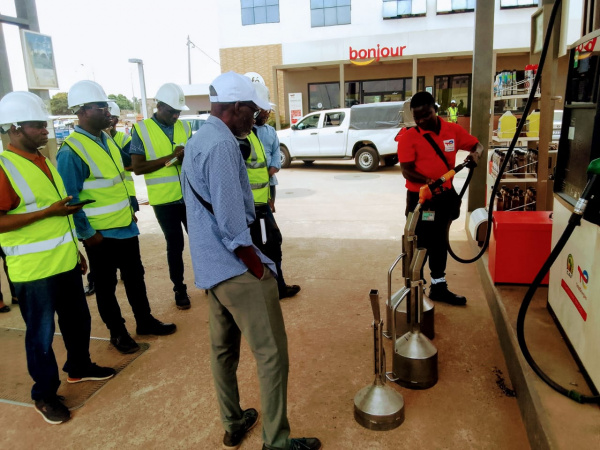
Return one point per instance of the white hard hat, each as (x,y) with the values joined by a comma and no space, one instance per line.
(114,109)
(21,106)
(263,93)
(83,92)
(452,101)
(172,95)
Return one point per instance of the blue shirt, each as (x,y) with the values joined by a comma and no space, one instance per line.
(268,137)
(136,146)
(214,168)
(74,171)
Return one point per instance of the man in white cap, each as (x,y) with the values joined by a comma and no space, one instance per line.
(92,169)
(43,256)
(243,297)
(156,152)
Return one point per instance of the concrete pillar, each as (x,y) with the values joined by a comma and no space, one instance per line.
(481,95)
(414,76)
(279,107)
(342,87)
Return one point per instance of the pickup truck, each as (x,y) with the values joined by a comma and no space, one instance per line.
(364,133)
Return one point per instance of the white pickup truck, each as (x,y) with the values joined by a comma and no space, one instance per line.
(364,133)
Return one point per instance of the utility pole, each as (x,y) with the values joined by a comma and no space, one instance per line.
(189,46)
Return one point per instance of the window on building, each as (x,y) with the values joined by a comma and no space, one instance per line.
(454,6)
(327,95)
(518,3)
(323,96)
(326,13)
(260,11)
(453,87)
(394,9)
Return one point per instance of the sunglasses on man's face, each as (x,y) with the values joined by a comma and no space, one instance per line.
(103,107)
(255,110)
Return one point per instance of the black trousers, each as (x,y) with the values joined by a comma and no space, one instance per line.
(105,259)
(170,218)
(432,236)
(272,248)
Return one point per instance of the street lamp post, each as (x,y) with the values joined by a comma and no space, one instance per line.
(140,64)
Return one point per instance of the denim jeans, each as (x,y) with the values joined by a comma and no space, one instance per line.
(38,301)
(170,218)
(105,258)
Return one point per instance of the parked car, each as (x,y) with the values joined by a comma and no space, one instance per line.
(195,121)
(364,133)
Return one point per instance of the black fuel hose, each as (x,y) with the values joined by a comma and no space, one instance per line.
(574,221)
(511,148)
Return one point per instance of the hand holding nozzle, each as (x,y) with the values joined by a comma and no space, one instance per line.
(178,155)
(426,191)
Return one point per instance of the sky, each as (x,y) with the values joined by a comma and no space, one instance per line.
(93,40)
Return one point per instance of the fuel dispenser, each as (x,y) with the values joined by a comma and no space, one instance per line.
(574,289)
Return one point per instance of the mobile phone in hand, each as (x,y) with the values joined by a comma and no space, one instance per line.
(80,202)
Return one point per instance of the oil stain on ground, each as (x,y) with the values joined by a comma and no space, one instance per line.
(501,383)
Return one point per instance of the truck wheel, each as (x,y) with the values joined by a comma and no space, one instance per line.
(308,162)
(285,157)
(367,159)
(391,161)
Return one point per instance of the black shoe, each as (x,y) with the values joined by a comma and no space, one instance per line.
(124,343)
(156,327)
(302,444)
(52,410)
(182,299)
(439,292)
(92,373)
(289,291)
(233,440)
(90,289)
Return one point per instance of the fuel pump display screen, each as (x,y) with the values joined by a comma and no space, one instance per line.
(575,153)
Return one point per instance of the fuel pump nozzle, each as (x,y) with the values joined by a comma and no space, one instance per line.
(426,191)
(593,170)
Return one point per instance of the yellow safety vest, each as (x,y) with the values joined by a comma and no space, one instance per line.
(453,114)
(105,183)
(164,185)
(258,172)
(121,139)
(44,248)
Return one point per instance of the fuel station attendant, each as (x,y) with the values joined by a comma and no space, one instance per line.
(422,164)
(42,254)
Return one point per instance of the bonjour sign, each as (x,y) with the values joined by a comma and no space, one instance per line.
(365,56)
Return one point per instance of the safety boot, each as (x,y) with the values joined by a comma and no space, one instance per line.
(439,292)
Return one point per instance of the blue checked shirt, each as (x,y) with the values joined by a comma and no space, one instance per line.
(214,167)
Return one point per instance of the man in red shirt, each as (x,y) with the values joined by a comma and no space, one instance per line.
(422,164)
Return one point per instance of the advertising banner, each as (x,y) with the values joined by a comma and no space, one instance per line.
(38,55)
(295,101)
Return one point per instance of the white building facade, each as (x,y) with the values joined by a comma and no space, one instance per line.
(332,53)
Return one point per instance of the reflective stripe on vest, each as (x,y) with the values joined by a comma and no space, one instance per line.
(36,247)
(164,184)
(258,174)
(46,247)
(121,139)
(105,184)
